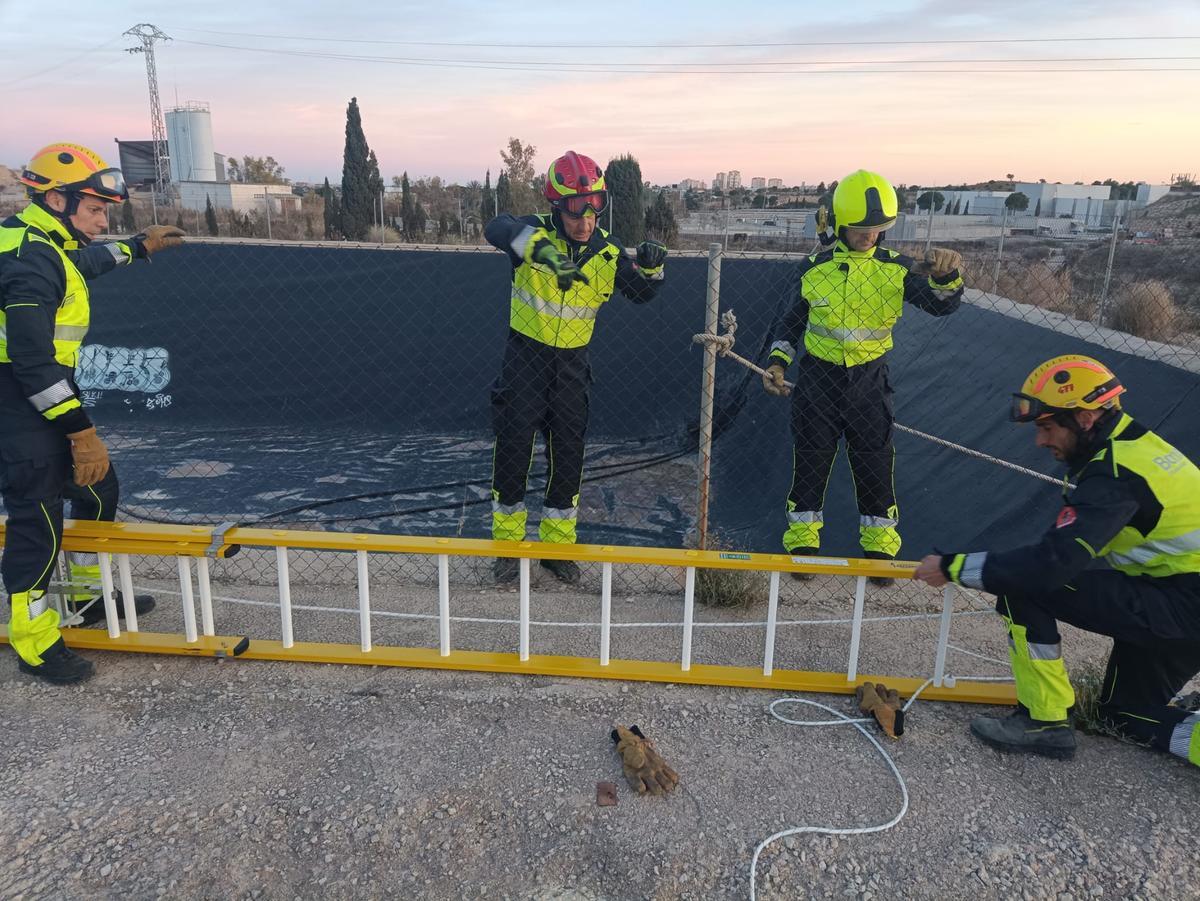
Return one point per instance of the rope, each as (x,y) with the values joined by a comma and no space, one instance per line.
(724,347)
(859,724)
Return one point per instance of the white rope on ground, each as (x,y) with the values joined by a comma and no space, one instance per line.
(583,625)
(724,346)
(857,723)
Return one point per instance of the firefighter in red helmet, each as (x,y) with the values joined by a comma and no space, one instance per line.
(564,267)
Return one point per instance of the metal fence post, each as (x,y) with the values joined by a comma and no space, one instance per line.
(267,205)
(1000,249)
(1112,250)
(708,388)
(929,226)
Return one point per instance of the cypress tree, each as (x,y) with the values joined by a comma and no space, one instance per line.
(623,178)
(210,216)
(333,213)
(504,197)
(487,204)
(357,196)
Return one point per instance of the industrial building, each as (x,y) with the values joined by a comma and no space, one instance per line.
(197,171)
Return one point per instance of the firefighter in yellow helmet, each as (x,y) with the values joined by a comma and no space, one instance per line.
(49,449)
(839,331)
(1136,507)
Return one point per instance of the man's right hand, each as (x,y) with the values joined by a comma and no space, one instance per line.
(773,381)
(565,271)
(90,457)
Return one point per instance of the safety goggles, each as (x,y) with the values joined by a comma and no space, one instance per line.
(1028,409)
(576,205)
(107,184)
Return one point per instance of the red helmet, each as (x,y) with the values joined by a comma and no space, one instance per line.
(575,184)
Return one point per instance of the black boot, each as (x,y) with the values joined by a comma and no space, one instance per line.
(94,611)
(1020,732)
(564,570)
(506,571)
(804,552)
(60,666)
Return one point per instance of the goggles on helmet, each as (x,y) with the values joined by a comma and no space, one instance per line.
(107,184)
(1028,409)
(576,205)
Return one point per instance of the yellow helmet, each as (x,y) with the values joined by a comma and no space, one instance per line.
(73,169)
(1071,382)
(864,200)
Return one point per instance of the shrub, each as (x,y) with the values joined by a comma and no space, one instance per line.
(1145,309)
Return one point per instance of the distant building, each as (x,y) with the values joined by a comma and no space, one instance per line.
(718,181)
(236,195)
(774,182)
(733,179)
(757,183)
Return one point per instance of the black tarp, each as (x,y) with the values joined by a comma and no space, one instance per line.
(301,374)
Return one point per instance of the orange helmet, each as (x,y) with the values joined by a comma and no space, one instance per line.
(73,169)
(1071,382)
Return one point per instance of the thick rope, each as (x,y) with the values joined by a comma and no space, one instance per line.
(724,348)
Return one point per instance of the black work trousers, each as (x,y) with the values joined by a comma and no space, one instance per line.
(34,492)
(1155,627)
(540,389)
(831,402)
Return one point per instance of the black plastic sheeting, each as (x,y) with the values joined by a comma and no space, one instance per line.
(302,376)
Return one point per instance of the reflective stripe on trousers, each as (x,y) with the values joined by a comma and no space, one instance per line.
(1185,739)
(558,526)
(32,626)
(804,530)
(508,521)
(1041,677)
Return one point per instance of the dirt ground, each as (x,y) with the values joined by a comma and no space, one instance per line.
(186,778)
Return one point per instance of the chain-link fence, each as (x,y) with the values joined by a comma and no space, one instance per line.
(310,384)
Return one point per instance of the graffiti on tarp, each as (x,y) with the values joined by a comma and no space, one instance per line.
(143,369)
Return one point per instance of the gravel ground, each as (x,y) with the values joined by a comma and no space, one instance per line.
(184,778)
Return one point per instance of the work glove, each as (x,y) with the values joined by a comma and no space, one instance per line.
(650,258)
(883,703)
(773,381)
(156,238)
(565,272)
(89,455)
(644,769)
(942,262)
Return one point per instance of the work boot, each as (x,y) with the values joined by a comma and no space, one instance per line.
(1189,702)
(93,611)
(880,581)
(60,666)
(564,570)
(804,552)
(1020,732)
(506,571)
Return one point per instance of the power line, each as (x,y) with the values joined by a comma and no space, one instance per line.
(689,46)
(63,64)
(586,68)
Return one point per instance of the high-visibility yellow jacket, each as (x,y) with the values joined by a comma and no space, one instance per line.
(849,301)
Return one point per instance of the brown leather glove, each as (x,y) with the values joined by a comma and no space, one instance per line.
(942,262)
(883,703)
(773,381)
(644,769)
(90,457)
(159,237)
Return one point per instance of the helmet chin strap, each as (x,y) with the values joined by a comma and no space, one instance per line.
(65,216)
(1087,441)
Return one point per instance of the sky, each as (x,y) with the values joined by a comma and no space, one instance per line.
(923,91)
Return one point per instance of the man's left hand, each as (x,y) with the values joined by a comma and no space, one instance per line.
(929,571)
(156,238)
(650,258)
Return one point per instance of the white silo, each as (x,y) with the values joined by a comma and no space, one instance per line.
(190,143)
